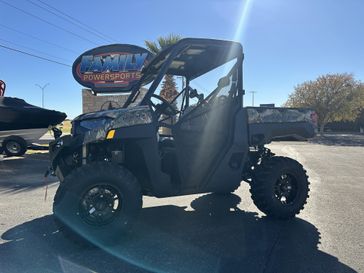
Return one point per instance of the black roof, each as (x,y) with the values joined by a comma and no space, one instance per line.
(196,56)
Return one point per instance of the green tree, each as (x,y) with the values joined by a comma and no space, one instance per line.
(169,87)
(334,97)
(358,101)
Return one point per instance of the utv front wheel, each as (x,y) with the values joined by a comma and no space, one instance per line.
(97,202)
(280,187)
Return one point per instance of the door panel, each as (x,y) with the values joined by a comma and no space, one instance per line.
(201,136)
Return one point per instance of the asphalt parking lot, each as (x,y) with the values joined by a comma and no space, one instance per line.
(199,233)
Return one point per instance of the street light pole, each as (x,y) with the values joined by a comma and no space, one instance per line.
(42,88)
(253,92)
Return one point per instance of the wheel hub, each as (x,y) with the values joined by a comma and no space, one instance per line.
(100,204)
(286,189)
(13,147)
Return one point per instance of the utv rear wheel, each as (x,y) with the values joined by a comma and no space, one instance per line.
(97,202)
(280,187)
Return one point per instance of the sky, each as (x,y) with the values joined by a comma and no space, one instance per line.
(285,42)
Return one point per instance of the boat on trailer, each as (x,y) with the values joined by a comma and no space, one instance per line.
(21,124)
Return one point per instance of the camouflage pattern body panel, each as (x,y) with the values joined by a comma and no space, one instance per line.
(133,116)
(118,118)
(274,115)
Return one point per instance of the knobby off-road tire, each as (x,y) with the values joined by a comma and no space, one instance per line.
(280,187)
(92,190)
(14,146)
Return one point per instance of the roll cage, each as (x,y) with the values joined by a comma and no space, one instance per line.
(190,58)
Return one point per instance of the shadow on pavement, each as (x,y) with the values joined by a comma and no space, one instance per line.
(339,139)
(25,173)
(214,237)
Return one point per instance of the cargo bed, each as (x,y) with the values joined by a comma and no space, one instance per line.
(267,124)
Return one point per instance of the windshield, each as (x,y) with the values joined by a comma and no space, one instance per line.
(137,97)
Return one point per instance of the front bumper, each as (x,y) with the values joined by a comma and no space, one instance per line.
(62,145)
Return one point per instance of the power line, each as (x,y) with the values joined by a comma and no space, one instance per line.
(78,21)
(48,22)
(66,18)
(33,55)
(32,49)
(36,38)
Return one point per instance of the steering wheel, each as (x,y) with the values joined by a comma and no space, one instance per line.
(165,107)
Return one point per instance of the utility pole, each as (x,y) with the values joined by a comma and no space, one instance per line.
(42,88)
(253,92)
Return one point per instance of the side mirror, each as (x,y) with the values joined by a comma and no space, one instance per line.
(224,81)
(56,132)
(194,94)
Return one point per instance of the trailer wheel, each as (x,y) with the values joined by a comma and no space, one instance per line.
(96,202)
(280,187)
(14,146)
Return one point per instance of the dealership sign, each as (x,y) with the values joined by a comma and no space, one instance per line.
(112,68)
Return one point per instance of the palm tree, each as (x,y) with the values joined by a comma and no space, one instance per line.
(169,87)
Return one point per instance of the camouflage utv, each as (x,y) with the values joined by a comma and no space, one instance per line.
(114,157)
